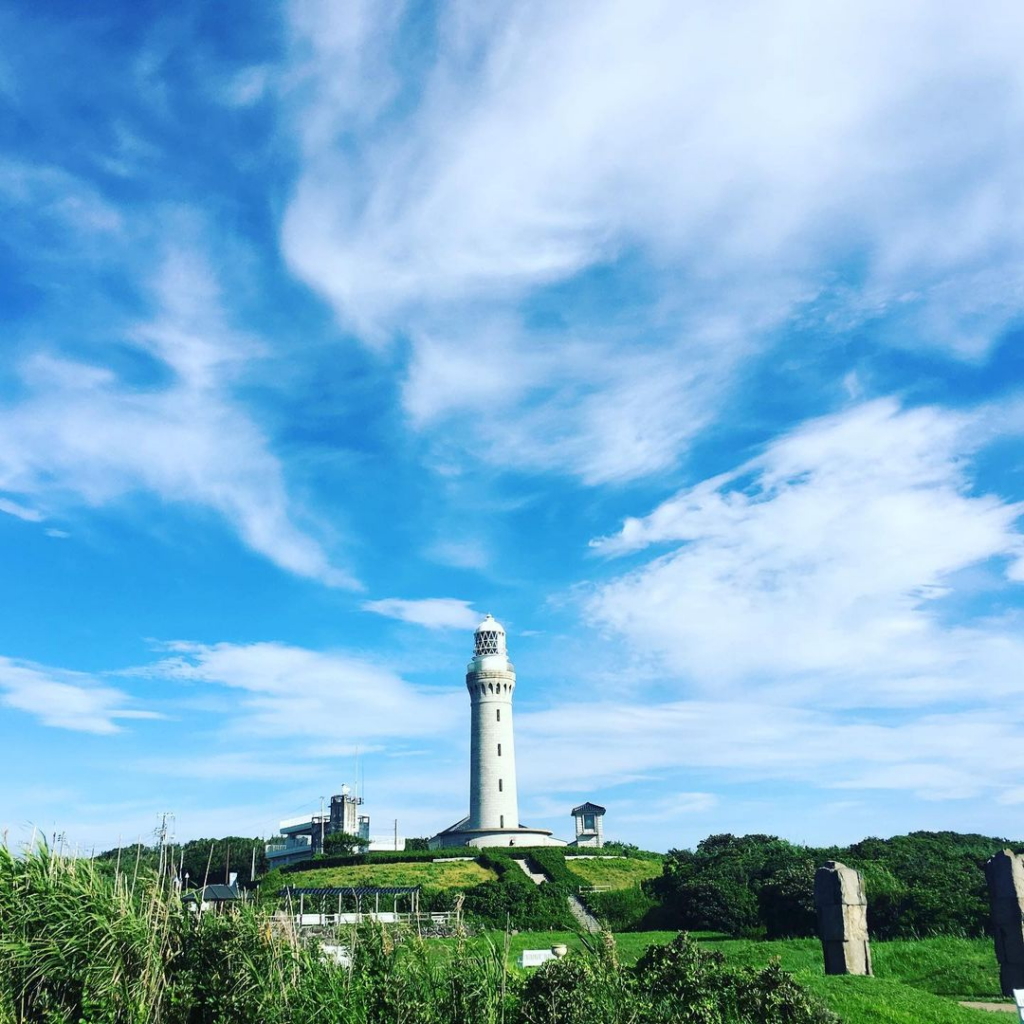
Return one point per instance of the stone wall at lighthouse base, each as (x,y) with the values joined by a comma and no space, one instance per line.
(459,835)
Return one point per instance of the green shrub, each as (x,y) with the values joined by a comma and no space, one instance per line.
(786,901)
(925,883)
(622,910)
(522,906)
(685,984)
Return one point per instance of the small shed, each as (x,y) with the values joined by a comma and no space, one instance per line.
(589,824)
(212,897)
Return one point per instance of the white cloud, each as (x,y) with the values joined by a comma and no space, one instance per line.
(725,140)
(247,87)
(287,691)
(602,409)
(40,195)
(818,567)
(744,159)
(12,508)
(934,756)
(64,700)
(81,434)
(432,612)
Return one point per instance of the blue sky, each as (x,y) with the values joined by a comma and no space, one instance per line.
(685,339)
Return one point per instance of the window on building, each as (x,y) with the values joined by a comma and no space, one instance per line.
(588,822)
(499,750)
(500,786)
(499,714)
(501,819)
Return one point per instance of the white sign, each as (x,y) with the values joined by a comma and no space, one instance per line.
(535,957)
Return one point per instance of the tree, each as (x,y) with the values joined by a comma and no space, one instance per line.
(211,860)
(341,844)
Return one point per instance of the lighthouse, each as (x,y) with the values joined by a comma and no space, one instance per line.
(491,681)
(493,818)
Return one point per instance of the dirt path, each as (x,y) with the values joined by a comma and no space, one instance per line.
(994,1007)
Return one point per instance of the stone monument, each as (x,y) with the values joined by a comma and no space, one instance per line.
(1005,876)
(842,919)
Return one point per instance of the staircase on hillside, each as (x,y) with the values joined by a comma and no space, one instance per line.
(584,917)
(537,877)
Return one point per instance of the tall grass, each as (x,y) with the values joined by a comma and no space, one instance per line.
(82,944)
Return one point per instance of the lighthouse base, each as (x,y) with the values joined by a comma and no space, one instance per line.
(460,835)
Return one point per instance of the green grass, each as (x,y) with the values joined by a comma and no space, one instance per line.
(614,872)
(459,874)
(915,980)
(630,944)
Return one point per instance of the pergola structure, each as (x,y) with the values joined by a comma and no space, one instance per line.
(361,894)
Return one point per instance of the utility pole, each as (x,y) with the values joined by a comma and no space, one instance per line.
(252,869)
(321,824)
(396,833)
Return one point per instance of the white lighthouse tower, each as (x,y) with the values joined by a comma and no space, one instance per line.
(491,681)
(493,818)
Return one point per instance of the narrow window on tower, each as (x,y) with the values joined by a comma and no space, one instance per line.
(500,787)
(501,819)
(499,714)
(499,750)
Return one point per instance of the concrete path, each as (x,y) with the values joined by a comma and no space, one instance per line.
(537,877)
(994,1007)
(583,916)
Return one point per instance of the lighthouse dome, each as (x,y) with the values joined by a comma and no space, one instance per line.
(489,638)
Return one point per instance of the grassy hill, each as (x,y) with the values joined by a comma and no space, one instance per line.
(459,874)
(915,979)
(614,872)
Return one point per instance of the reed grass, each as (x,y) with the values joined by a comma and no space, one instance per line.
(81,944)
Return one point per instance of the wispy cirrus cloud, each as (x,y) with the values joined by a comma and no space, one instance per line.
(533,154)
(289,691)
(13,508)
(79,433)
(65,700)
(820,567)
(933,756)
(726,172)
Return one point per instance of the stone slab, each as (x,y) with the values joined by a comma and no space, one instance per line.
(834,882)
(847,957)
